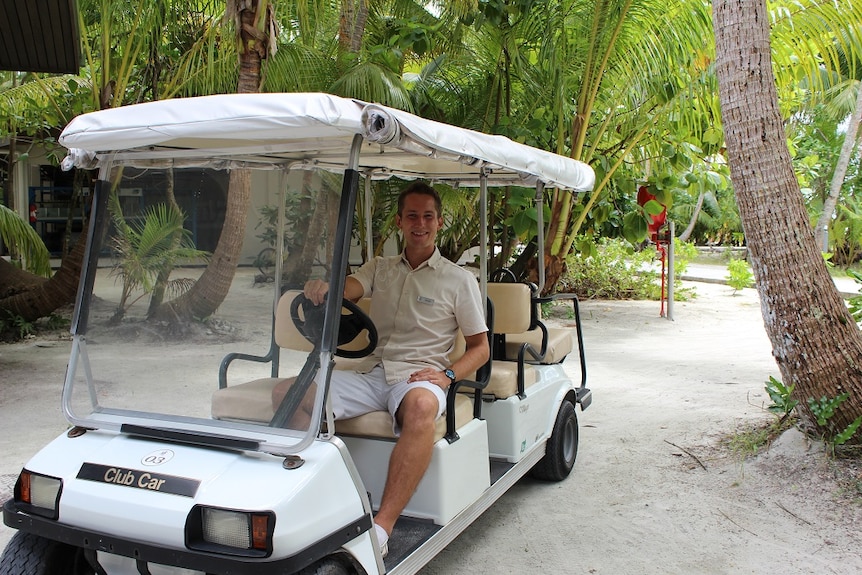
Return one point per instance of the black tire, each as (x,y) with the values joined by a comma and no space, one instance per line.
(28,554)
(562,447)
(329,566)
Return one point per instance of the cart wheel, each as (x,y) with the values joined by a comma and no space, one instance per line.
(329,566)
(562,447)
(28,554)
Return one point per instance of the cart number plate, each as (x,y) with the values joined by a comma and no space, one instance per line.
(139,479)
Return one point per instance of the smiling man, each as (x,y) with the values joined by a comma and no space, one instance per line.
(419,301)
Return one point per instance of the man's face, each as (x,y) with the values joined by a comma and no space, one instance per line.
(419,221)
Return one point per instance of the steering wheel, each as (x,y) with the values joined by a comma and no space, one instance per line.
(310,325)
(503,275)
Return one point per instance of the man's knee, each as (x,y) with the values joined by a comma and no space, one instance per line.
(280,390)
(419,407)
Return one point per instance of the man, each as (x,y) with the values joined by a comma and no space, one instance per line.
(419,301)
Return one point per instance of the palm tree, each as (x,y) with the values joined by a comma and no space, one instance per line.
(146,250)
(119,45)
(24,244)
(814,339)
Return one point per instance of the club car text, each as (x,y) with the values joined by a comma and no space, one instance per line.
(139,479)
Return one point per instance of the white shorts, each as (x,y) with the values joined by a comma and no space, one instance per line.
(354,394)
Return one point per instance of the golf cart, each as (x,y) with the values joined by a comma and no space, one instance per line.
(177,460)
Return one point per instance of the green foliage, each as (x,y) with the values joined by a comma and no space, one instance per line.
(684,253)
(739,274)
(781,396)
(854,303)
(146,248)
(14,326)
(749,441)
(613,271)
(24,243)
(824,409)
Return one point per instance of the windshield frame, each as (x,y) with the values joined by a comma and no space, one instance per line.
(274,438)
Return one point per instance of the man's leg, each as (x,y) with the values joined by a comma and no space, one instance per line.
(411,454)
(302,418)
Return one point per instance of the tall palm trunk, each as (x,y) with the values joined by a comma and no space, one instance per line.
(815,342)
(211,289)
(840,171)
(31,297)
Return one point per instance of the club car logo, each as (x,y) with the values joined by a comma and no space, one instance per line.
(139,479)
(157,457)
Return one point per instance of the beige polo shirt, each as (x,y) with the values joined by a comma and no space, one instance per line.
(418,312)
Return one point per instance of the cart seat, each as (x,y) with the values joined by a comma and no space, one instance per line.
(518,340)
(252,401)
(560,343)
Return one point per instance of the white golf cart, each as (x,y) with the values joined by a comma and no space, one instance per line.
(177,460)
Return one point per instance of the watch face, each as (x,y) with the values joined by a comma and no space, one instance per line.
(450,374)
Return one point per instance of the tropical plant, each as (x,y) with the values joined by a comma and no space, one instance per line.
(739,274)
(25,246)
(144,249)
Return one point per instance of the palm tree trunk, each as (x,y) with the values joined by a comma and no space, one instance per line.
(815,342)
(683,237)
(822,226)
(212,287)
(31,297)
(204,298)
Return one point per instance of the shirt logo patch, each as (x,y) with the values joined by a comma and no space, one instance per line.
(425,300)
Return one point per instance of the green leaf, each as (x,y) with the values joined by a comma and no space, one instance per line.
(653,208)
(635,227)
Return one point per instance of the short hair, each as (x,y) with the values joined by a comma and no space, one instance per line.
(420,188)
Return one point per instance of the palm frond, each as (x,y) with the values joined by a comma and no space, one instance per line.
(22,240)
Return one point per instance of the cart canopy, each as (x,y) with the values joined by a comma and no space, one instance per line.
(270,130)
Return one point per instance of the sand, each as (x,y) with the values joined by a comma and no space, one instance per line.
(655,489)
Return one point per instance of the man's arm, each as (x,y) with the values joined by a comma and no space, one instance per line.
(316,290)
(474,357)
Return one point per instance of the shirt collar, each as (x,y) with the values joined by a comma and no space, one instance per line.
(433,262)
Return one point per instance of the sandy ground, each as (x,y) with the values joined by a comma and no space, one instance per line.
(654,490)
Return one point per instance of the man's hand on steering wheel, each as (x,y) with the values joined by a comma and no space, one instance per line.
(315,291)
(310,321)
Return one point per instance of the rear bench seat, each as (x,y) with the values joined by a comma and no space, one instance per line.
(518,340)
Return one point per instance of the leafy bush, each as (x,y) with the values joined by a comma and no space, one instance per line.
(739,274)
(855,302)
(782,397)
(613,271)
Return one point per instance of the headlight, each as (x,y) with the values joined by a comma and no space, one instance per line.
(39,494)
(230,531)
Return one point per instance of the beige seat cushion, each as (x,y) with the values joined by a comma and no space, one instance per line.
(560,344)
(512,307)
(379,423)
(504,379)
(252,401)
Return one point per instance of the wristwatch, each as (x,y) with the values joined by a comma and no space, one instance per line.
(450,374)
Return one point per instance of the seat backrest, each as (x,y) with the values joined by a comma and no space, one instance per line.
(512,307)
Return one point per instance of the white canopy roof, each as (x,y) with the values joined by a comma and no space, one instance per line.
(269,130)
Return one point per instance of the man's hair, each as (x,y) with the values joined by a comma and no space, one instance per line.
(424,189)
